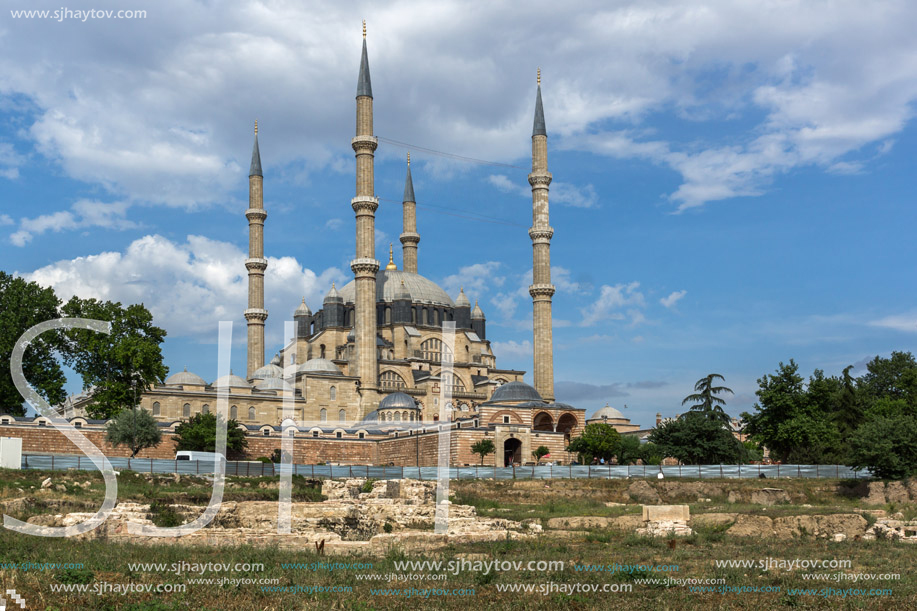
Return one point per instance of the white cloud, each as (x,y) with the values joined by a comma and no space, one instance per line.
(334,224)
(560,192)
(673,298)
(513,349)
(10,161)
(899,322)
(610,303)
(188,286)
(82,214)
(168,120)
(478,280)
(5,219)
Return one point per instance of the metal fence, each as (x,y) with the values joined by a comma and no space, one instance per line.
(258,469)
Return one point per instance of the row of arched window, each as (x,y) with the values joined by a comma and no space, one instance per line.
(205,409)
(323,415)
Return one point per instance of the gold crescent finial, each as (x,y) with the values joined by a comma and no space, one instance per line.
(409,157)
(364,28)
(391,258)
(332,285)
(256,127)
(539,76)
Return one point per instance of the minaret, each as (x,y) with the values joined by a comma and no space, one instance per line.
(255,315)
(541,289)
(365,266)
(409,237)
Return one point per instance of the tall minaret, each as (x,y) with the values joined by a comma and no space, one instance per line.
(365,266)
(256,263)
(541,290)
(409,236)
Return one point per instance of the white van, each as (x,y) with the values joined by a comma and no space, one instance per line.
(201,456)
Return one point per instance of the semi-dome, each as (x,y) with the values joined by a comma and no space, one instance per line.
(512,392)
(273,384)
(609,412)
(398,400)
(232,381)
(268,371)
(185,377)
(318,365)
(388,286)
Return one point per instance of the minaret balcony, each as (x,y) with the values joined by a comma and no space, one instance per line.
(255,314)
(256,214)
(364,268)
(364,204)
(542,290)
(541,234)
(256,264)
(364,143)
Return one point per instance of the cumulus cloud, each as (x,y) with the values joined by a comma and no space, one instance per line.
(672,298)
(898,322)
(561,192)
(10,161)
(616,302)
(5,219)
(83,214)
(478,280)
(513,349)
(188,286)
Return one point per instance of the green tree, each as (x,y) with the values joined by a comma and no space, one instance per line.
(23,305)
(598,440)
(483,448)
(894,377)
(121,365)
(540,452)
(887,445)
(134,428)
(630,451)
(650,454)
(695,439)
(199,433)
(706,400)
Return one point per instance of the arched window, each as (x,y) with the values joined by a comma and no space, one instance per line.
(412,416)
(205,409)
(333,390)
(450,379)
(397,416)
(156,408)
(323,414)
(233,413)
(342,416)
(186,410)
(391,379)
(432,349)
(251,413)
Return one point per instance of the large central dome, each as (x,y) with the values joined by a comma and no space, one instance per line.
(388,284)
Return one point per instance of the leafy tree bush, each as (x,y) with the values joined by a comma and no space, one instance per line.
(540,452)
(598,440)
(483,448)
(706,401)
(695,439)
(23,305)
(887,445)
(199,433)
(134,428)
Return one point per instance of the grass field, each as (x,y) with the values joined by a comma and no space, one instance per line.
(694,556)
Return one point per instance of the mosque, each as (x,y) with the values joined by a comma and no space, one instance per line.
(368,365)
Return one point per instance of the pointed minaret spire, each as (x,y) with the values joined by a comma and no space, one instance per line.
(364,85)
(541,232)
(409,236)
(255,314)
(256,156)
(538,129)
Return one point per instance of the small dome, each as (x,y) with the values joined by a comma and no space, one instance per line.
(477,313)
(319,366)
(512,392)
(333,295)
(402,294)
(610,412)
(185,378)
(462,300)
(372,416)
(388,283)
(232,381)
(273,384)
(398,400)
(303,309)
(268,371)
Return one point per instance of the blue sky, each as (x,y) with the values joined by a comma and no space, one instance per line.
(733,184)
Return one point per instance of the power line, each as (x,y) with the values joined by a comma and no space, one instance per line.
(449,155)
(472,216)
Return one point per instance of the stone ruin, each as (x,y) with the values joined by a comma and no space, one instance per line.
(665,520)
(395,513)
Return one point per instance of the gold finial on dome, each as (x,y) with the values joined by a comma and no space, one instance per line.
(391,258)
(539,76)
(364,28)
(332,285)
